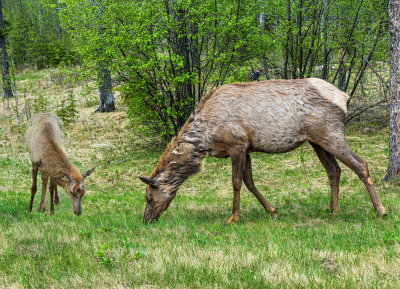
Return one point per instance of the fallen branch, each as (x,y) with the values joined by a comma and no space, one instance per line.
(353,115)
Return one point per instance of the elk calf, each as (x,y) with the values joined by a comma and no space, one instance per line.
(273,116)
(43,140)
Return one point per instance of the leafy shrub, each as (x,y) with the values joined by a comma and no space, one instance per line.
(40,104)
(66,77)
(90,98)
(67,111)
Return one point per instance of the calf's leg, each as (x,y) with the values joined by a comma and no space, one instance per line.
(52,187)
(45,178)
(34,185)
(333,170)
(56,200)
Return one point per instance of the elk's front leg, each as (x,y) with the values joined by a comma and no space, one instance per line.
(238,165)
(45,178)
(248,181)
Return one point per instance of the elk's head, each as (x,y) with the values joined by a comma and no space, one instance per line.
(157,199)
(75,189)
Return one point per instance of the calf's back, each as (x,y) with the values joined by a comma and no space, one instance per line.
(44,129)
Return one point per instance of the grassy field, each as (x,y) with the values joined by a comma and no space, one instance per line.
(108,246)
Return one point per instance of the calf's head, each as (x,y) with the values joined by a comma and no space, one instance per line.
(75,189)
(157,199)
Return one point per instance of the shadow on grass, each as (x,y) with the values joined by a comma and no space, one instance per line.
(307,212)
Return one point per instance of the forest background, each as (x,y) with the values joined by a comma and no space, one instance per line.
(156,59)
(165,55)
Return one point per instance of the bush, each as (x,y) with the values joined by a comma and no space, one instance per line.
(67,111)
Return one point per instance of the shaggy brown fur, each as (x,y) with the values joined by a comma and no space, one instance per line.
(43,140)
(165,157)
(271,116)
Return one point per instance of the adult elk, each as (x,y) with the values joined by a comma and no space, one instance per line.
(43,140)
(273,116)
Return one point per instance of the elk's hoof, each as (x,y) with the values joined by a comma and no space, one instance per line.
(274,214)
(333,212)
(381,213)
(232,219)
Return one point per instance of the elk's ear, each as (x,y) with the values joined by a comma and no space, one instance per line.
(151,182)
(87,173)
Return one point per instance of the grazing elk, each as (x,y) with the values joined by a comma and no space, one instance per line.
(43,140)
(273,116)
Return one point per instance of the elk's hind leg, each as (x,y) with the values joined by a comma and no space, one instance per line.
(34,185)
(248,181)
(45,178)
(333,170)
(340,149)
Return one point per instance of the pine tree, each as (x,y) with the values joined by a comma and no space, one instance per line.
(4,60)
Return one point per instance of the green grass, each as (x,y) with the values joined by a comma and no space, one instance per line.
(108,246)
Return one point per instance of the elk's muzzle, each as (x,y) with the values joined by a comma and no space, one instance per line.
(150,215)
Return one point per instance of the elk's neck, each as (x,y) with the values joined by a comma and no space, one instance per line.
(183,159)
(56,163)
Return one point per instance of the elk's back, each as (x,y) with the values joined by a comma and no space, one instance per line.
(273,116)
(43,129)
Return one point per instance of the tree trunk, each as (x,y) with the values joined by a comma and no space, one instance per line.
(326,24)
(180,46)
(288,43)
(105,89)
(4,61)
(394,137)
(342,77)
(104,75)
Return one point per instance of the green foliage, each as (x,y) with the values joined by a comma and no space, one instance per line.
(102,255)
(36,37)
(67,111)
(40,104)
(90,99)
(168,54)
(67,76)
(202,239)
(138,254)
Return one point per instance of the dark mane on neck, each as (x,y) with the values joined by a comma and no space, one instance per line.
(165,157)
(167,154)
